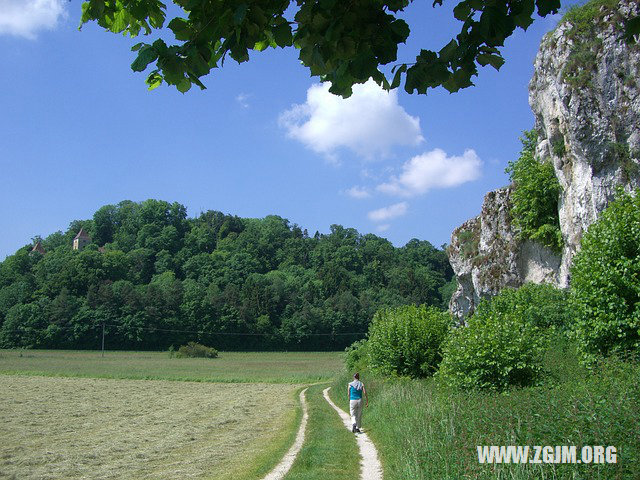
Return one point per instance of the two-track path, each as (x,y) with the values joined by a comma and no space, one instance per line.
(283,467)
(370,466)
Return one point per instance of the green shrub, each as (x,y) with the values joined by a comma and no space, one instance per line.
(193,349)
(502,345)
(605,282)
(540,305)
(407,340)
(535,196)
(356,358)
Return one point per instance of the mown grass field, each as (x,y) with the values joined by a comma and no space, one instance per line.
(234,367)
(144,415)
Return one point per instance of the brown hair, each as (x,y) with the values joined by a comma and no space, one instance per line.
(357,376)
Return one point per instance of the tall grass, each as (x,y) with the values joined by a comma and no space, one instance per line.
(426,431)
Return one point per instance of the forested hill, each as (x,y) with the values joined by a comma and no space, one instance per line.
(156,278)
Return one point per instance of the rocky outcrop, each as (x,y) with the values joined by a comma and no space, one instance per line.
(487,255)
(586,100)
(585,95)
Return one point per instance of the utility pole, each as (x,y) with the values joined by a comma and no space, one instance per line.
(103,339)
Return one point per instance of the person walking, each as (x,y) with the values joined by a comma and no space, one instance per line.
(355,391)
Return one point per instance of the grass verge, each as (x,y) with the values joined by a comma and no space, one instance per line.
(330,450)
(426,431)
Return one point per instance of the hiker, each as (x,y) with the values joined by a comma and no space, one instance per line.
(355,391)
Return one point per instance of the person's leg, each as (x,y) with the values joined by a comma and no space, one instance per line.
(358,413)
(352,411)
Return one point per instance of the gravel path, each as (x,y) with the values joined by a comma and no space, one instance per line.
(283,467)
(370,467)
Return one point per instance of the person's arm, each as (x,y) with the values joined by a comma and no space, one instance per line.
(364,390)
(348,392)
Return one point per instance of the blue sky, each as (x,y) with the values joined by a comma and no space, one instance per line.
(80,130)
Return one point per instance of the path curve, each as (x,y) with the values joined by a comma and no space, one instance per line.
(370,466)
(283,467)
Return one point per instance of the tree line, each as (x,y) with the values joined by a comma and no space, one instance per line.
(152,277)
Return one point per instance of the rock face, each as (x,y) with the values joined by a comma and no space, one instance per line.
(585,95)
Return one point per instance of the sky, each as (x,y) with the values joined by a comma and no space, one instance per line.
(79,130)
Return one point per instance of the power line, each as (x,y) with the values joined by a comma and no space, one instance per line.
(198,332)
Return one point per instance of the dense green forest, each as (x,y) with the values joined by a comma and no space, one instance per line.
(155,278)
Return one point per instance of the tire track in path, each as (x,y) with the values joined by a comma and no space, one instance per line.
(370,466)
(283,467)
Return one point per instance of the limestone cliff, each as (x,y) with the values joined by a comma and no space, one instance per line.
(585,95)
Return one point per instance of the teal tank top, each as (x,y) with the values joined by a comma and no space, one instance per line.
(355,390)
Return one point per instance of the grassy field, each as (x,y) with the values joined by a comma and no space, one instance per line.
(145,415)
(233,367)
(54,428)
(425,431)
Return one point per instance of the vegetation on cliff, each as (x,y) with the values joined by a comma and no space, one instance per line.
(535,196)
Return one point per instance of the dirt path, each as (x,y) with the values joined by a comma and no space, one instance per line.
(283,467)
(370,466)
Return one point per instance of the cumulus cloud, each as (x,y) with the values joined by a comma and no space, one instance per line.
(358,192)
(26,17)
(433,169)
(387,213)
(369,123)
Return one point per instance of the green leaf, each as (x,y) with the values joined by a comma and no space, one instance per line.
(181,28)
(496,61)
(283,35)
(120,21)
(400,28)
(184,85)
(462,11)
(240,13)
(146,55)
(261,45)
(545,7)
(448,51)
(154,80)
(197,81)
(398,76)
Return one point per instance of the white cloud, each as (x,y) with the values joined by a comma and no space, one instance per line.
(433,169)
(369,122)
(358,192)
(25,17)
(383,228)
(243,100)
(387,213)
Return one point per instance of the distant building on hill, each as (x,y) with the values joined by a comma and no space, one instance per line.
(81,240)
(38,248)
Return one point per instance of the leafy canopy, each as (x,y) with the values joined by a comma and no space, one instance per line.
(156,278)
(344,43)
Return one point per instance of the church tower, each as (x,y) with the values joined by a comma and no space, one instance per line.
(81,240)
